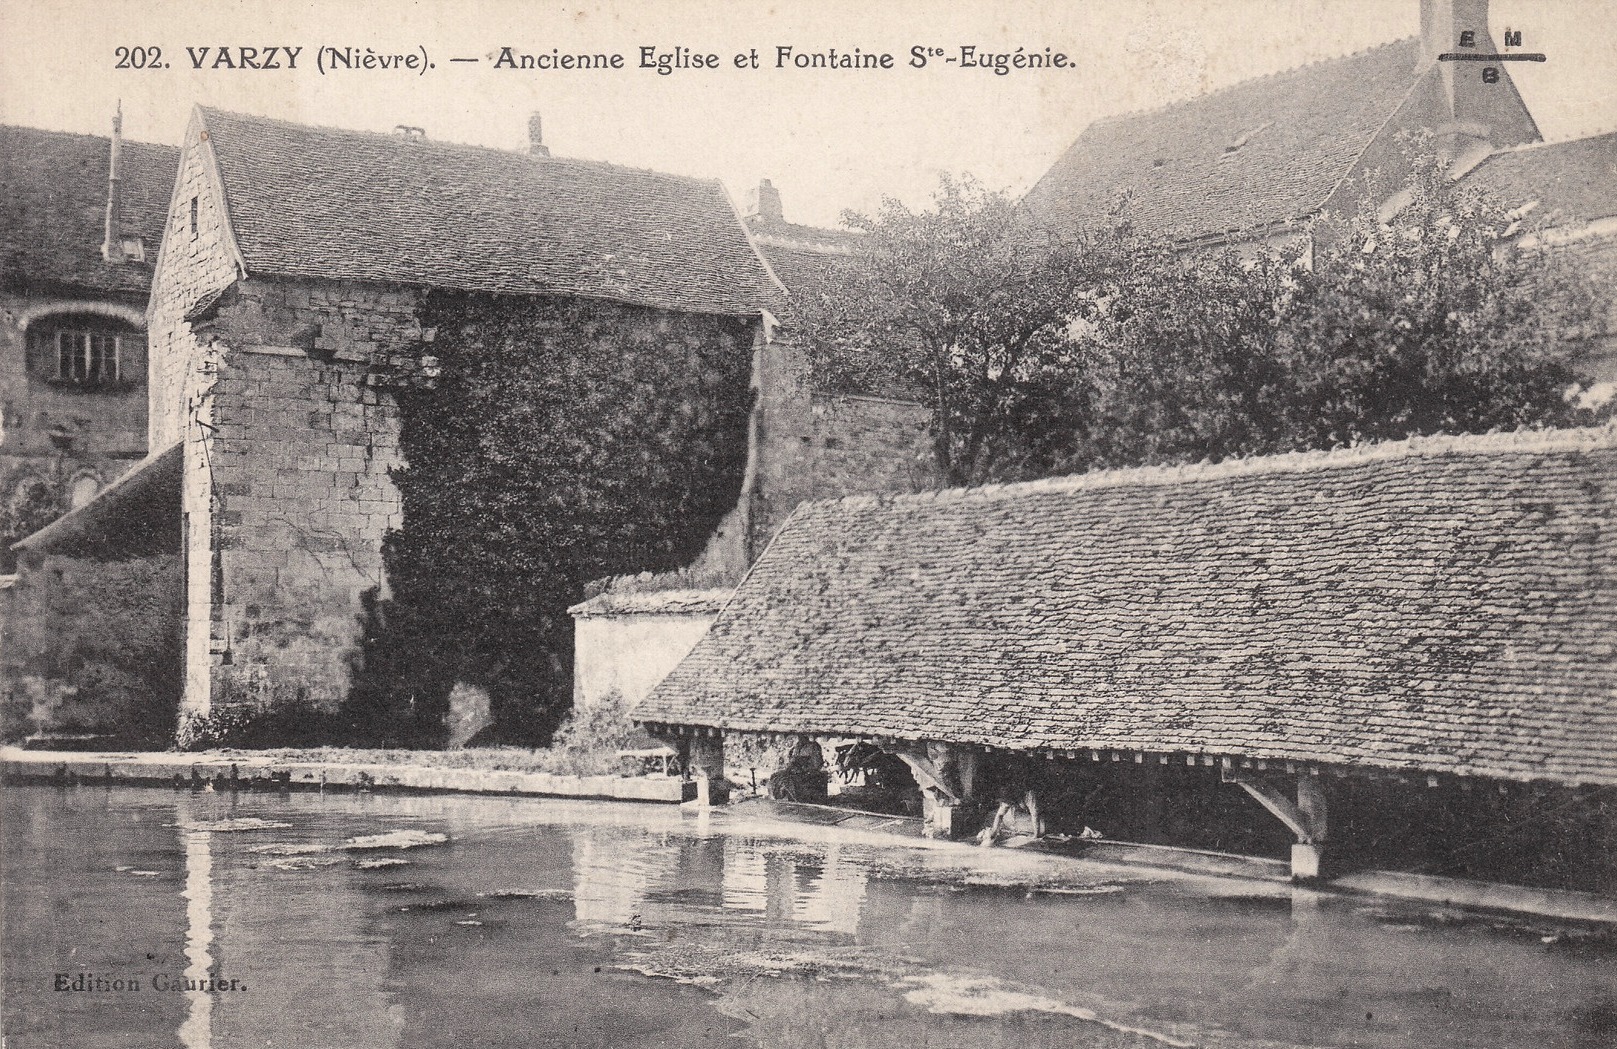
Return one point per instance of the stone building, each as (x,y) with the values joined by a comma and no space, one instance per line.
(1253,163)
(286,315)
(1418,635)
(81,217)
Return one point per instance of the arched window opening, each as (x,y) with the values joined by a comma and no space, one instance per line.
(86,350)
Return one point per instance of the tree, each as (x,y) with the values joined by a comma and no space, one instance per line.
(965,306)
(1429,320)
(1043,355)
(1433,321)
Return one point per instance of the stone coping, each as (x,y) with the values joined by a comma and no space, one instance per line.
(162,768)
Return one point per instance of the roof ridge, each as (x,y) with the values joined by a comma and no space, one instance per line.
(87,134)
(1134,114)
(1426,446)
(439,143)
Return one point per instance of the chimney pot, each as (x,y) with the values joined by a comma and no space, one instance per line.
(536,136)
(763,204)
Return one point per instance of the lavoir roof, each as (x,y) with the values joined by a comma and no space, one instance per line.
(1441,604)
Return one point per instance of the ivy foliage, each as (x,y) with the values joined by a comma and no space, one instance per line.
(561,441)
(30,503)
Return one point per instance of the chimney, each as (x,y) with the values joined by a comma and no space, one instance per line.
(763,204)
(410,133)
(536,136)
(112,249)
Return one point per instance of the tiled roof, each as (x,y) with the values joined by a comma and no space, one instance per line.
(53,199)
(801,256)
(801,269)
(1441,604)
(1571,182)
(1263,152)
(137,513)
(351,205)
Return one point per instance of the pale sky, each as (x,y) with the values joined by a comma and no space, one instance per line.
(828,139)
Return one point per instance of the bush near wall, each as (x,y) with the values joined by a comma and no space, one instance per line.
(561,442)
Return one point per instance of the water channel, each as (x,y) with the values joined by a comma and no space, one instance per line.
(348,920)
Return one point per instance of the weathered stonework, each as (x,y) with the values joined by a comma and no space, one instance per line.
(73,441)
(92,646)
(277,389)
(287,471)
(805,444)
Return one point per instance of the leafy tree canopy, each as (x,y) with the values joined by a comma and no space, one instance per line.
(1041,354)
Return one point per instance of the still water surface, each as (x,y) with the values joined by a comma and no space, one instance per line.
(371,921)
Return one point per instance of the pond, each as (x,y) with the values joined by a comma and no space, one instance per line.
(358,920)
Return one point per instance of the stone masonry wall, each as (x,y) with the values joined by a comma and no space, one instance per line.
(92,646)
(55,438)
(812,445)
(193,268)
(304,434)
(278,390)
(809,445)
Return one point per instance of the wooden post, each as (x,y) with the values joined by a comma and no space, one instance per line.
(1307,818)
(938,799)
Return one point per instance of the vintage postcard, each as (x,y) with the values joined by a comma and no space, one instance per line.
(859,524)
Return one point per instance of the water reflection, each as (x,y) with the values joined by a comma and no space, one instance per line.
(621,882)
(197,1031)
(536,922)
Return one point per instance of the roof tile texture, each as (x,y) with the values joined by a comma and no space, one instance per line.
(1445,605)
(1571,182)
(1262,152)
(53,199)
(349,205)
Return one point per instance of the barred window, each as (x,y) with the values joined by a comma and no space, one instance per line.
(87,352)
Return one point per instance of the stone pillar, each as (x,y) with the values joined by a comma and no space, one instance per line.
(706,762)
(1307,861)
(938,814)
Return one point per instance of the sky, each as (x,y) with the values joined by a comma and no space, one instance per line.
(829,139)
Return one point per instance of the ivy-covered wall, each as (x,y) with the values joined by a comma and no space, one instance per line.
(563,440)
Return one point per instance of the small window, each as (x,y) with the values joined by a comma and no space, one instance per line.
(86,351)
(134,249)
(193,216)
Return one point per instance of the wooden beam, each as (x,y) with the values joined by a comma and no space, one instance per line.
(1306,818)
(926,774)
(1311,803)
